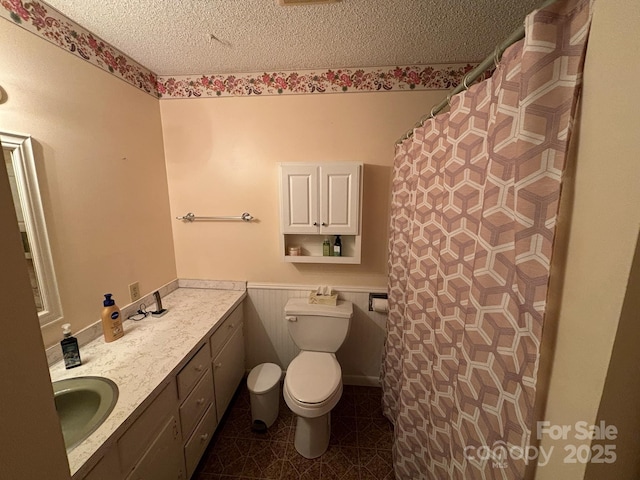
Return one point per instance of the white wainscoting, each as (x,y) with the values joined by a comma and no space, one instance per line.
(267,338)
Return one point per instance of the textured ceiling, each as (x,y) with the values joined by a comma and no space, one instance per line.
(174,37)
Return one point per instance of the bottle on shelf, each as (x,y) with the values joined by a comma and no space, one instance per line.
(326,248)
(337,247)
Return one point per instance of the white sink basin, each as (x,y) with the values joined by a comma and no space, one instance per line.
(83,404)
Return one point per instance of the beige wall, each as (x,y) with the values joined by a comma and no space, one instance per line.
(27,410)
(222,156)
(621,395)
(603,229)
(100,161)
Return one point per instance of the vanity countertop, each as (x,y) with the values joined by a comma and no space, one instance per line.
(141,362)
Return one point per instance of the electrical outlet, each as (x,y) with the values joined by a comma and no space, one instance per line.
(134,291)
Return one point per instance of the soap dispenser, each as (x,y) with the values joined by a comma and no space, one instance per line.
(70,349)
(111,319)
(337,247)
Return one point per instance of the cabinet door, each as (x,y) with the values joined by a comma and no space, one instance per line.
(339,198)
(136,440)
(164,459)
(108,468)
(228,370)
(299,198)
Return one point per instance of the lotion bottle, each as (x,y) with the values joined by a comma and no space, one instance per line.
(70,349)
(111,319)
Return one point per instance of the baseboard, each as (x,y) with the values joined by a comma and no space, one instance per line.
(361,380)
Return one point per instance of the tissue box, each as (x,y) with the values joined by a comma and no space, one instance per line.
(316,299)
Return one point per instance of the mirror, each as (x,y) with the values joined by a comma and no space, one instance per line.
(20,164)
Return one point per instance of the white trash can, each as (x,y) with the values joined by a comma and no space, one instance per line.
(264,390)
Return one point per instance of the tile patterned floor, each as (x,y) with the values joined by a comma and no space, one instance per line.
(359,448)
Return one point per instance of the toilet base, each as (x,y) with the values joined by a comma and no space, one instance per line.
(312,435)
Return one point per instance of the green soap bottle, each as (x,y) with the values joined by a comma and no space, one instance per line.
(326,248)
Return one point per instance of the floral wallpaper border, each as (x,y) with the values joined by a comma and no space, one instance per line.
(381,79)
(49,24)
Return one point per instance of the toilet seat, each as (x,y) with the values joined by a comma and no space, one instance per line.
(313,377)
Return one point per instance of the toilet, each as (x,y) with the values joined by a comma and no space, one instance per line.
(313,382)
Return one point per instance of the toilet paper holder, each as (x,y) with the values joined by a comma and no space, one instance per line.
(375,295)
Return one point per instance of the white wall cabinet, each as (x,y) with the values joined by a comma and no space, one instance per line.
(323,199)
(318,201)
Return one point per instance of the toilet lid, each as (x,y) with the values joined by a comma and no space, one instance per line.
(313,376)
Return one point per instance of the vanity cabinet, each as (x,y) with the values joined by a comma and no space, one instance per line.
(318,201)
(167,440)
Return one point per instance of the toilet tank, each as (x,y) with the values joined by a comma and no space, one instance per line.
(318,328)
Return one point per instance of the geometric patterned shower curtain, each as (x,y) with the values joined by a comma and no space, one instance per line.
(474,204)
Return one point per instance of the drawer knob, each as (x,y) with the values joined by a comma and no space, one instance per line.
(200,401)
(203,438)
(199,368)
(231,325)
(218,365)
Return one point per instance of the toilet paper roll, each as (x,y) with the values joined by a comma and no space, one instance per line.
(380,305)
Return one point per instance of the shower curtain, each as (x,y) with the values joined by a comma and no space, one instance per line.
(474,202)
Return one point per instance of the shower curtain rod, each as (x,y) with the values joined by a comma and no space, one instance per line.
(473,75)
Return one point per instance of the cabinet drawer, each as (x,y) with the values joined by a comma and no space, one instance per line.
(196,403)
(225,330)
(136,439)
(192,372)
(196,445)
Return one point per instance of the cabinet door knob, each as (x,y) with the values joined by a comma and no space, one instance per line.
(324,224)
(200,401)
(315,224)
(199,368)
(231,325)
(204,437)
(218,365)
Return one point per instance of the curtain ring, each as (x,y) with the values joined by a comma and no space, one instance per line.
(431,114)
(464,82)
(449,99)
(496,56)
